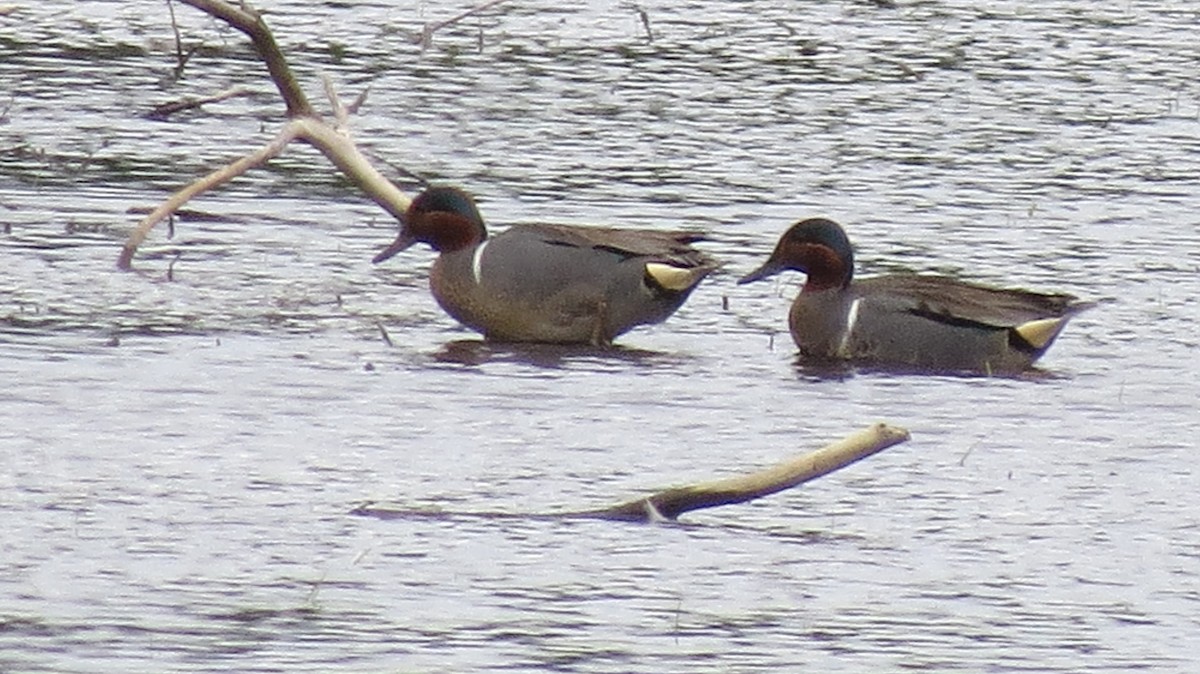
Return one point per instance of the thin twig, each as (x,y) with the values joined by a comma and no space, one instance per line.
(387,339)
(426,37)
(181,58)
(180,61)
(358,101)
(341,113)
(165,110)
(645,23)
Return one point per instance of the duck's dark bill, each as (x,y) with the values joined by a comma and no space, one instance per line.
(402,242)
(761,273)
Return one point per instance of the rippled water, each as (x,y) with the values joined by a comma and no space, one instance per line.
(179,458)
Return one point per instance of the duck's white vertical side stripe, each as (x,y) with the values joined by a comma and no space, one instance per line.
(851,319)
(477,262)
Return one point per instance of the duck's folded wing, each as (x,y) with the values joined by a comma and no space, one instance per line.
(666,246)
(950,300)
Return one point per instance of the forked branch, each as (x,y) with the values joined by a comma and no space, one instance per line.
(303,124)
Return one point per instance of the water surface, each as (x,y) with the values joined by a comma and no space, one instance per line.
(181,447)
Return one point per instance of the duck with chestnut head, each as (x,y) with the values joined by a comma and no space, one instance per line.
(549,282)
(925,322)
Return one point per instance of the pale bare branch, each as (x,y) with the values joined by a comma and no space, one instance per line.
(208,182)
(672,503)
(304,124)
(669,504)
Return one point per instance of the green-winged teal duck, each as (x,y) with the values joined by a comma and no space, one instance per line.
(548,283)
(909,320)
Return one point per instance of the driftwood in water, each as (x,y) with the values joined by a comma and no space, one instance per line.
(672,503)
(331,138)
(669,504)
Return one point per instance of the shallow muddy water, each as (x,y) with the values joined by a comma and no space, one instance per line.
(181,447)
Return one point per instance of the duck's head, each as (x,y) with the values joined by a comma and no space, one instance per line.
(816,246)
(443,217)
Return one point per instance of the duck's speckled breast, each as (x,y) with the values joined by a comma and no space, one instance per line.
(818,322)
